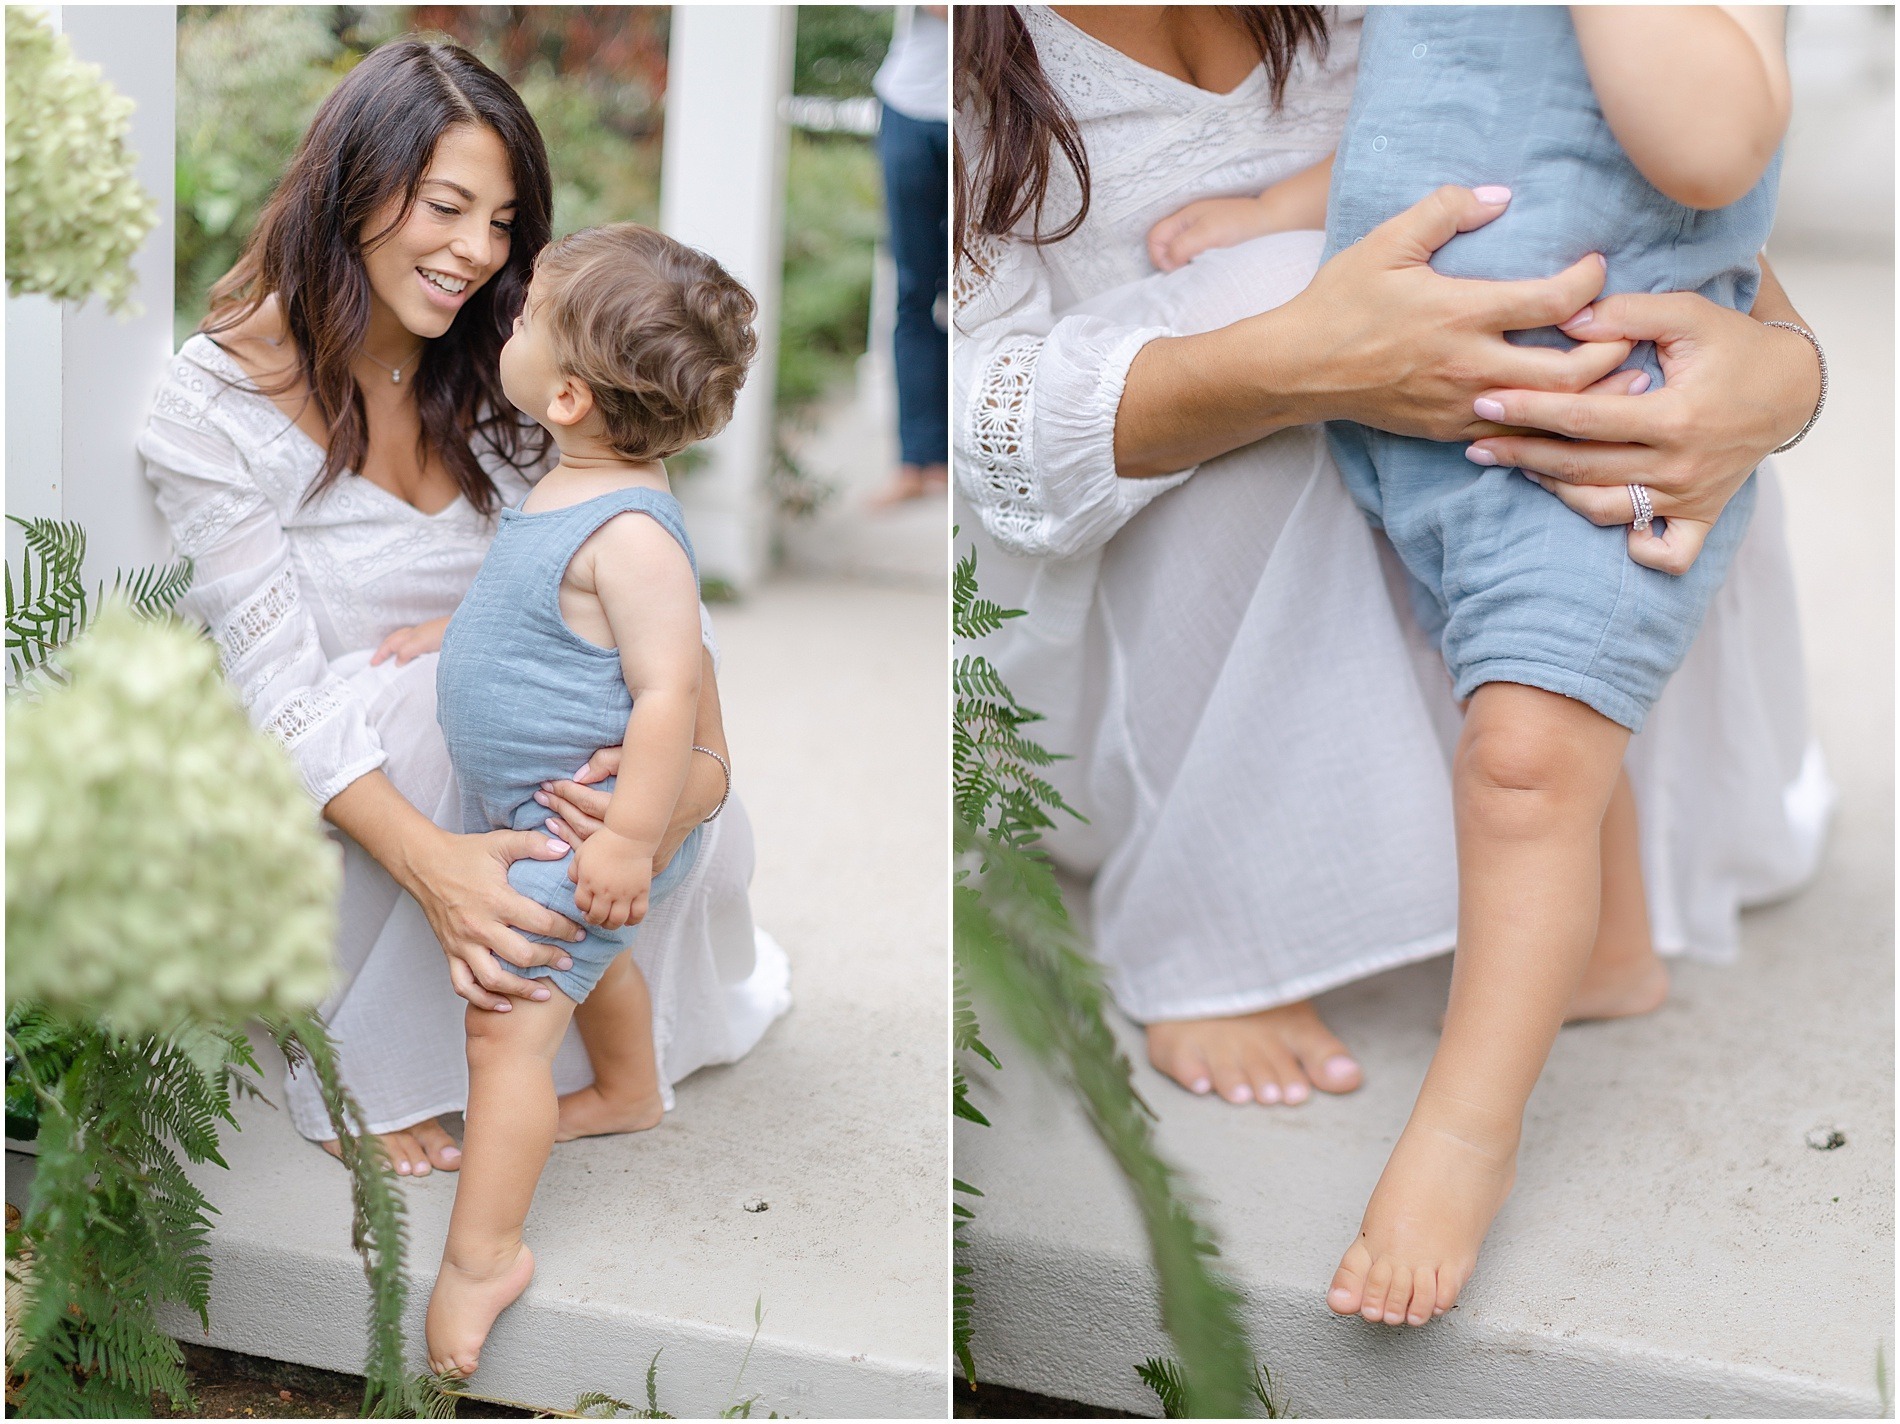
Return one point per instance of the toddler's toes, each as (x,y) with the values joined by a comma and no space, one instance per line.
(1398,1296)
(1378,1281)
(1349,1281)
(1424,1296)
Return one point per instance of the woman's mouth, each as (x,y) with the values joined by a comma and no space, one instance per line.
(443,288)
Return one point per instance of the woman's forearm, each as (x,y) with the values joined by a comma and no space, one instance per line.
(378,817)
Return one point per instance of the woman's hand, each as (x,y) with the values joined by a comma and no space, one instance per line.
(461,882)
(1377,337)
(579,809)
(1733,390)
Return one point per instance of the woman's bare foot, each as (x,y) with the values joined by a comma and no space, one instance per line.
(1418,1242)
(464,1307)
(1619,988)
(592,1113)
(415,1150)
(1274,1056)
(910,482)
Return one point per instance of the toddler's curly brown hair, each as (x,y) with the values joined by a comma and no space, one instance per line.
(659,331)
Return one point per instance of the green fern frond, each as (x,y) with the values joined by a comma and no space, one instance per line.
(1163,1378)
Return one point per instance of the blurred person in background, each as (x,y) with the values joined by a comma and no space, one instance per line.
(913,142)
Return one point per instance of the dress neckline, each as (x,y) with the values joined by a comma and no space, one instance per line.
(1184,86)
(248,387)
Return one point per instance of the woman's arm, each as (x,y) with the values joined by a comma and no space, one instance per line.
(1378,337)
(1733,392)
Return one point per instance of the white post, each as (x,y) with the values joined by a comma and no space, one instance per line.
(79,380)
(722,190)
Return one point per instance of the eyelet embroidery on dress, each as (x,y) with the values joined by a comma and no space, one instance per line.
(1000,438)
(258,616)
(300,713)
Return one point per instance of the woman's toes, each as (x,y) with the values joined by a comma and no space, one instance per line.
(1348,1289)
(1398,1296)
(407,1154)
(1230,1081)
(1182,1062)
(1296,1090)
(1324,1059)
(438,1147)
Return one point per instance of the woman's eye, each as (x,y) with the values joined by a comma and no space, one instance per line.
(445,210)
(506,227)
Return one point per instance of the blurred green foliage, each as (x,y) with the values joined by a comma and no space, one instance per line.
(251,77)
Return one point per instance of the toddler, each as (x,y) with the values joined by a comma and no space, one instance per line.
(581,631)
(1649,136)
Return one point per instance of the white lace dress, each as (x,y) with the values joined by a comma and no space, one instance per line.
(298,597)
(1259,735)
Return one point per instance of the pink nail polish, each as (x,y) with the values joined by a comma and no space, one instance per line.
(1577,322)
(1478,455)
(1640,383)
(1488,409)
(541,798)
(1492,194)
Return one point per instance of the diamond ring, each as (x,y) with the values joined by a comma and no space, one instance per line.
(1640,506)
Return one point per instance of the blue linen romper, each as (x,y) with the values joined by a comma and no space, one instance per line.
(1515,586)
(523,699)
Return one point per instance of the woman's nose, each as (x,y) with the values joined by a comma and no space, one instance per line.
(474,244)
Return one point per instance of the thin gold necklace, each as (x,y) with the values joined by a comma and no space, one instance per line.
(395,372)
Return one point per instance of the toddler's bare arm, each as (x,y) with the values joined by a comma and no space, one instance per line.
(1697,95)
(647,591)
(1295,204)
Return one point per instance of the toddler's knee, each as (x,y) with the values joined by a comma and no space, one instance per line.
(1517,779)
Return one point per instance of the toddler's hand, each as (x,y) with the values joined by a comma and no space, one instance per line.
(612,877)
(1212,222)
(407,643)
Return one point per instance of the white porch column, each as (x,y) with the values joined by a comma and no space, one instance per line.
(79,380)
(722,190)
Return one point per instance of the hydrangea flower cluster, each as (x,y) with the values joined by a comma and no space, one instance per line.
(161,854)
(75,212)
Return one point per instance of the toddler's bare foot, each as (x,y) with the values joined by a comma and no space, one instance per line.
(1619,988)
(415,1150)
(592,1113)
(464,1306)
(1418,1242)
(1274,1056)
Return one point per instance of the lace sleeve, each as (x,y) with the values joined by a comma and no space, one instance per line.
(245,589)
(1035,409)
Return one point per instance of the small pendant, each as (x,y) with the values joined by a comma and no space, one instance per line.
(395,378)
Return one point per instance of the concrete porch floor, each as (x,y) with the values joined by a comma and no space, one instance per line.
(1674,1247)
(834,695)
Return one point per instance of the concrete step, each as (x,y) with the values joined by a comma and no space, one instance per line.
(834,696)
(1674,1246)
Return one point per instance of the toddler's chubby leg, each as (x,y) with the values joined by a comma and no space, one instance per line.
(1624,976)
(616,1026)
(511,1123)
(1533,780)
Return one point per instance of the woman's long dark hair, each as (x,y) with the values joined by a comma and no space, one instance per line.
(999,79)
(372,141)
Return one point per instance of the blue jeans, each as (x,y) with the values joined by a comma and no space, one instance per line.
(916,158)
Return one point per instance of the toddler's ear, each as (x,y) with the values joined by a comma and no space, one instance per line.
(572,403)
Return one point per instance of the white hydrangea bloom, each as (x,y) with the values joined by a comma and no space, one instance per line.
(161,854)
(75,212)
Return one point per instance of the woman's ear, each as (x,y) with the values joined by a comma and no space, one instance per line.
(572,403)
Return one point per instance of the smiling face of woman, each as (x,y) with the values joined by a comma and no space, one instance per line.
(454,238)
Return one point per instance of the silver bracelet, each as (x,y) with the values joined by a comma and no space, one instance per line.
(724,766)
(1820,356)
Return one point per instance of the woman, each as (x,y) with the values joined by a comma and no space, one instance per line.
(1258,733)
(330,451)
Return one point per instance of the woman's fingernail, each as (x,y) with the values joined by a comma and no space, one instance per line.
(564,963)
(1602,261)
(578,775)
(540,995)
(541,798)
(559,847)
(1488,408)
(1478,455)
(1492,195)
(1581,319)
(1640,384)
